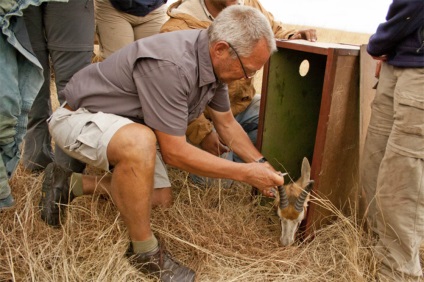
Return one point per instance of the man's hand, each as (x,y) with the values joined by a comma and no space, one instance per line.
(213,145)
(378,65)
(264,178)
(380,58)
(307,34)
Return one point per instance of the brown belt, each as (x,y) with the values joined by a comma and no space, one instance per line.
(68,107)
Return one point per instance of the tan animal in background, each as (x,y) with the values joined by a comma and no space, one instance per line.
(292,201)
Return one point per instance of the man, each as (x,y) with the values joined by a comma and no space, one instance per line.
(160,89)
(245,103)
(393,167)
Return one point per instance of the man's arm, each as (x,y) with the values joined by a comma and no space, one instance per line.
(233,135)
(178,153)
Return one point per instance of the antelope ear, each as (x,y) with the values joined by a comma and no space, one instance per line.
(305,172)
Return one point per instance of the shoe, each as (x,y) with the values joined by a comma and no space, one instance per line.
(34,168)
(159,264)
(204,182)
(55,194)
(7,203)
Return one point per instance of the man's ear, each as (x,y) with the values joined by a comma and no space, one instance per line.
(220,49)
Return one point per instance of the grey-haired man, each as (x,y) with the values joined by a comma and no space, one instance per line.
(118,110)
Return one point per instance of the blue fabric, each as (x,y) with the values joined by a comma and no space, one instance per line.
(401,37)
(249,120)
(139,8)
(21,77)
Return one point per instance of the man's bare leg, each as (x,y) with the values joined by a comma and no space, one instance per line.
(93,184)
(132,152)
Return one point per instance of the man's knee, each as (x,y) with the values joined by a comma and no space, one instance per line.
(132,141)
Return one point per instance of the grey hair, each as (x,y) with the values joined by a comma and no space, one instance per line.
(243,27)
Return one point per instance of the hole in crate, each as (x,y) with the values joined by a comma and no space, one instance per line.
(304,68)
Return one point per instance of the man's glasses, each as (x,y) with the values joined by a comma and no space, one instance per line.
(251,74)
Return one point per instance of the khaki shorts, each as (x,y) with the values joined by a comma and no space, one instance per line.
(85,136)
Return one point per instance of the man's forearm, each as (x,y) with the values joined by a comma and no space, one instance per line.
(192,159)
(238,141)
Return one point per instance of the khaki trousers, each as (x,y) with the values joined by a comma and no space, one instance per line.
(393,170)
(117,29)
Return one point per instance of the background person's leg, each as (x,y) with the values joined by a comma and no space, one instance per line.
(38,152)
(9,112)
(400,183)
(379,129)
(21,80)
(70,35)
(150,24)
(113,28)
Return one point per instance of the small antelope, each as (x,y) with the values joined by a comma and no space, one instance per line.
(292,201)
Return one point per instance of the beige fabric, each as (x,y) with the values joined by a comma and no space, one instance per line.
(116,29)
(85,137)
(188,14)
(393,171)
(194,8)
(182,21)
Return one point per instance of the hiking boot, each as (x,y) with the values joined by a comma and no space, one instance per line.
(55,194)
(205,182)
(7,203)
(159,264)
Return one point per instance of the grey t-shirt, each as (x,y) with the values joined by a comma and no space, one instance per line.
(166,79)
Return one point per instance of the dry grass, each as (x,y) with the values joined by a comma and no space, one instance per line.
(335,36)
(222,234)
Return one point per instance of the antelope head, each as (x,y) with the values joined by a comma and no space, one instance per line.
(292,202)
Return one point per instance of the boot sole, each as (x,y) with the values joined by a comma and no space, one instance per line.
(50,211)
